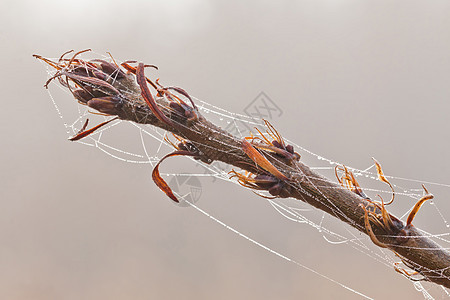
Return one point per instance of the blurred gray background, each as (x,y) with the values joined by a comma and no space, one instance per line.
(354,79)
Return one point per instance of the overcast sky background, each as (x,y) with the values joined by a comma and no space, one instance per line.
(354,79)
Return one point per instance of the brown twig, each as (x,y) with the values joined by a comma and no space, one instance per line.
(106,88)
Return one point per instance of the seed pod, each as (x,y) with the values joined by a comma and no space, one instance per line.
(82,96)
(106,105)
(277,144)
(109,68)
(290,149)
(265,181)
(99,74)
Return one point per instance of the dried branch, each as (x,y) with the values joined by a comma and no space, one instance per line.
(273,165)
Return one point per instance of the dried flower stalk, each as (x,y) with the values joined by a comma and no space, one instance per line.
(122,92)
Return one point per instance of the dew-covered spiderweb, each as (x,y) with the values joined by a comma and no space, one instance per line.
(146,144)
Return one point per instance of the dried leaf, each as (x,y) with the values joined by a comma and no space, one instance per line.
(160,182)
(260,160)
(83,133)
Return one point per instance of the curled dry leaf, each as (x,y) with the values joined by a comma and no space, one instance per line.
(160,182)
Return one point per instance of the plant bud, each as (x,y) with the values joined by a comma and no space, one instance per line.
(106,105)
(82,96)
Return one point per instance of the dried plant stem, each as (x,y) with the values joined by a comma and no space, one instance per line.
(417,251)
(129,101)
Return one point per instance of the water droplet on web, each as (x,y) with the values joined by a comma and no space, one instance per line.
(447,225)
(431,202)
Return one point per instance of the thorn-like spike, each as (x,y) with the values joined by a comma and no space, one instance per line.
(369,229)
(383,178)
(387,221)
(425,189)
(417,206)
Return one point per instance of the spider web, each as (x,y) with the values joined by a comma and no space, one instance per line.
(146,144)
